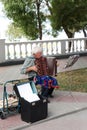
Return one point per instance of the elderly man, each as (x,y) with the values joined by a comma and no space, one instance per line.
(37,69)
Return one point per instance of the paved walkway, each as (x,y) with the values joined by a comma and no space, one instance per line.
(66,111)
(13,72)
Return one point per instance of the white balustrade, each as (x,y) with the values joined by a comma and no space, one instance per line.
(13,51)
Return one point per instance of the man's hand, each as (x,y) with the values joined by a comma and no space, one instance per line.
(32,68)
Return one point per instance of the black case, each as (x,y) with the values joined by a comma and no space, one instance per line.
(32,111)
(35,111)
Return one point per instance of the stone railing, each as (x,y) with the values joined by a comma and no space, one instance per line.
(13,51)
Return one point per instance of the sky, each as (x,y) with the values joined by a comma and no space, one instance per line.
(4,22)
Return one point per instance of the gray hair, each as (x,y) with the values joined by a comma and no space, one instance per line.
(37,49)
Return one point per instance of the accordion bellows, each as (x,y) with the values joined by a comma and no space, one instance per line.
(42,67)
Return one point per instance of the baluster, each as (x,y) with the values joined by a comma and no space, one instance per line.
(25,50)
(73,47)
(57,48)
(82,45)
(51,48)
(54,47)
(85,45)
(15,51)
(76,46)
(31,49)
(47,48)
(80,48)
(9,52)
(28,49)
(66,47)
(20,51)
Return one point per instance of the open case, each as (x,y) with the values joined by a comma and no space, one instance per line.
(33,107)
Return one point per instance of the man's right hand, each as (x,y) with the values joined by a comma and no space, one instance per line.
(32,68)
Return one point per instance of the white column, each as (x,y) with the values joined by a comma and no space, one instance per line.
(2,50)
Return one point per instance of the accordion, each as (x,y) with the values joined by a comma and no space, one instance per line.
(42,67)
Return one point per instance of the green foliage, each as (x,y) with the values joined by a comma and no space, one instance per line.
(24,14)
(70,15)
(13,33)
(31,16)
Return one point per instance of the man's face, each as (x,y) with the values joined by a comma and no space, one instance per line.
(38,54)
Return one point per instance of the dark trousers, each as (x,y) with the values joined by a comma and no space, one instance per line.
(50,91)
(45,92)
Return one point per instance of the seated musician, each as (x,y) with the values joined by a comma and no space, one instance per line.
(37,69)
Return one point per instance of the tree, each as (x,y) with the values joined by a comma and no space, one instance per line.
(70,15)
(29,15)
(85,35)
(13,32)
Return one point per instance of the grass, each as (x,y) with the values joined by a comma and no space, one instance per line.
(75,80)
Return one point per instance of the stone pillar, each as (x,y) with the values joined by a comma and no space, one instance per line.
(2,50)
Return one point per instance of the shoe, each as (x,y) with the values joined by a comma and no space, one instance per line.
(46,99)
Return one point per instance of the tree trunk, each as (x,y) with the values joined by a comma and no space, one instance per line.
(70,35)
(85,35)
(39,19)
